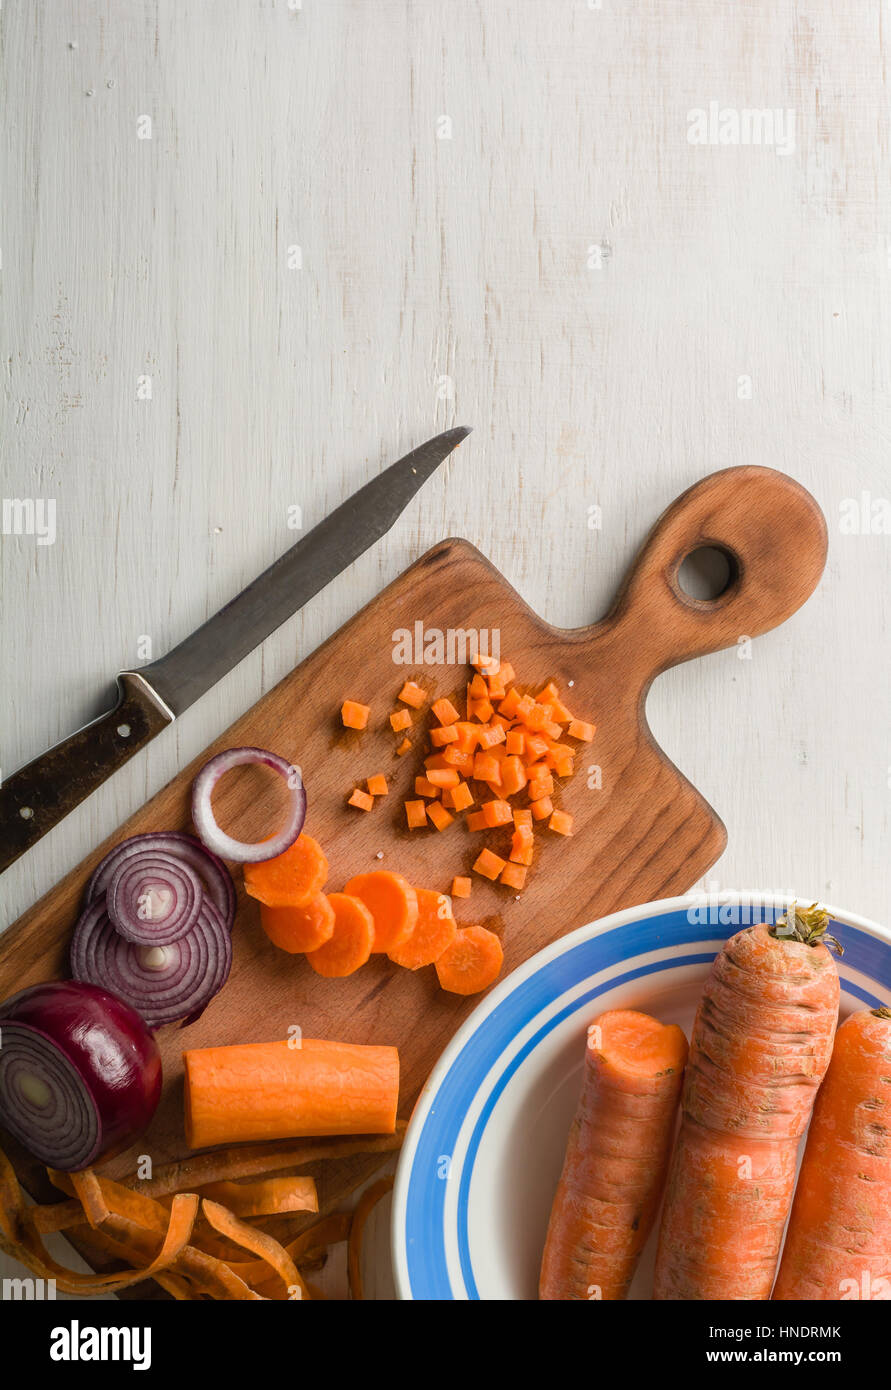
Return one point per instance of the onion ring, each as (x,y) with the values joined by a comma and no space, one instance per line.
(215,839)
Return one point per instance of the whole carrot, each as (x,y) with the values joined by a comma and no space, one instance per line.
(760,1048)
(616,1157)
(838,1245)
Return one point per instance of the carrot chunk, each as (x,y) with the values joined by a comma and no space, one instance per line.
(521,845)
(513,876)
(454,757)
(477,821)
(510,702)
(377,784)
(445,711)
(488,864)
(468,736)
(561,822)
(361,800)
(540,785)
(354,715)
(514,743)
(542,808)
(513,776)
(579,729)
(298,929)
(523,818)
(506,672)
(443,776)
(404,747)
(392,902)
(478,688)
(412,694)
(290,879)
(349,945)
(433,933)
(400,719)
(415,815)
(472,962)
(440,737)
(482,710)
(439,815)
(497,813)
(423,787)
(490,736)
(486,768)
(461,887)
(461,797)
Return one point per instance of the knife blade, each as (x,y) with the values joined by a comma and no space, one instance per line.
(44,791)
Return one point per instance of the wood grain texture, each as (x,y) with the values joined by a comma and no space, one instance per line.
(426,259)
(641,831)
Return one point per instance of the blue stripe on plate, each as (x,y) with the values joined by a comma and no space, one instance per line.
(425,1202)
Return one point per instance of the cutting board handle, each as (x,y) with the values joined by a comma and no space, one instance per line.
(774,535)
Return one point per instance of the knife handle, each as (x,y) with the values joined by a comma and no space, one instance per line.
(42,793)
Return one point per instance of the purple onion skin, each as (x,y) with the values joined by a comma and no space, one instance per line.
(107,1043)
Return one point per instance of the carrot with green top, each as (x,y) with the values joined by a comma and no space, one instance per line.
(616,1158)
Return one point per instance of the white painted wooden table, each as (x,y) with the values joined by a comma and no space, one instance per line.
(254,250)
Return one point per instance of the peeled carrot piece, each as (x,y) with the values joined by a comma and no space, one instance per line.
(522,845)
(351,942)
(441,737)
(433,932)
(579,729)
(274,1091)
(298,929)
(412,694)
(377,784)
(477,821)
(354,715)
(461,887)
(514,743)
(497,813)
(482,710)
(492,735)
(513,776)
(424,787)
(404,747)
(445,711)
(290,879)
(399,720)
(361,800)
(616,1157)
(468,736)
(461,797)
(459,759)
(540,785)
(486,767)
(439,815)
(506,672)
(472,962)
(510,702)
(416,814)
(523,818)
(488,864)
(513,875)
(392,902)
(478,688)
(542,808)
(443,776)
(561,822)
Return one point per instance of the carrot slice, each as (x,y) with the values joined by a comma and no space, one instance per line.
(412,694)
(354,715)
(298,929)
(471,963)
(434,932)
(361,800)
(350,944)
(377,784)
(445,711)
(290,879)
(364,1207)
(416,813)
(265,1197)
(488,864)
(399,720)
(439,815)
(461,887)
(392,902)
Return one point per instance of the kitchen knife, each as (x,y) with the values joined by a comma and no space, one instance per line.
(39,795)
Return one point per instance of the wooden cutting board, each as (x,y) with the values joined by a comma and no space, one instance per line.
(641,830)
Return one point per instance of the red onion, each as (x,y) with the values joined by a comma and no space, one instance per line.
(80,1074)
(153,898)
(163,983)
(205,823)
(213,873)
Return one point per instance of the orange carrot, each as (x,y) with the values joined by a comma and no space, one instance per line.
(760,1048)
(441,737)
(400,720)
(476,821)
(434,932)
(416,814)
(392,902)
(513,876)
(580,730)
(445,712)
(412,694)
(461,797)
(264,1196)
(275,1091)
(377,784)
(354,715)
(404,747)
(298,929)
(351,941)
(443,776)
(543,808)
(561,822)
(488,864)
(472,962)
(424,787)
(497,813)
(461,887)
(290,879)
(439,815)
(838,1245)
(616,1157)
(361,800)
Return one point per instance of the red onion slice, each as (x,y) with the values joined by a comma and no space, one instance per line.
(209,868)
(80,1074)
(162,983)
(153,898)
(205,823)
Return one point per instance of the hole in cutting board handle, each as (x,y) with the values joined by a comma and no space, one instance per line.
(707,573)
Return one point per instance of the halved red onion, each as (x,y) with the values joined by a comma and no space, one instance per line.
(204,820)
(163,983)
(209,868)
(153,898)
(80,1073)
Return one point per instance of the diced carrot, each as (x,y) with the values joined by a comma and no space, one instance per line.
(482,710)
(461,797)
(548,694)
(298,929)
(522,845)
(461,887)
(434,932)
(485,767)
(404,747)
(447,797)
(496,813)
(471,963)
(524,707)
(488,864)
(443,776)
(457,758)
(540,785)
(437,760)
(560,821)
(412,694)
(477,821)
(439,815)
(514,743)
(445,711)
(510,702)
(506,672)
(497,688)
(440,737)
(523,818)
(483,661)
(415,814)
(564,763)
(513,776)
(492,735)
(538,716)
(400,719)
(354,715)
(392,902)
(542,808)
(348,947)
(361,800)
(377,784)
(501,721)
(468,735)
(423,787)
(579,729)
(536,747)
(290,879)
(478,688)
(559,713)
(513,875)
